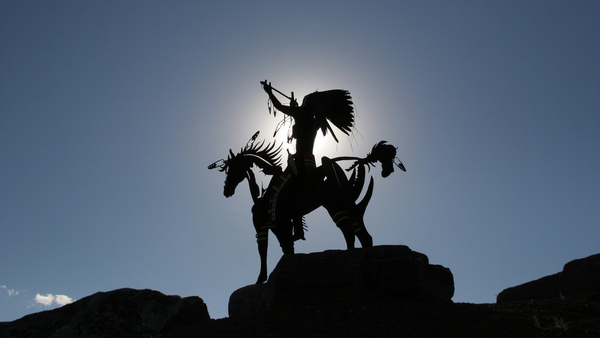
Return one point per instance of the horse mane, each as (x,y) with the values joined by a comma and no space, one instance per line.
(266,157)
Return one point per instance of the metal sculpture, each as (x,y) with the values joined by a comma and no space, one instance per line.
(281,207)
(303,186)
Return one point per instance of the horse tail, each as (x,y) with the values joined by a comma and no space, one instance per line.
(362,206)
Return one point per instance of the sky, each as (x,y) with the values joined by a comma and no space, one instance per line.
(111,111)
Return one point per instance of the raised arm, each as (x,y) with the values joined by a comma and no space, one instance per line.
(269,90)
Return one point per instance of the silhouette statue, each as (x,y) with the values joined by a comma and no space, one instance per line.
(289,196)
(316,110)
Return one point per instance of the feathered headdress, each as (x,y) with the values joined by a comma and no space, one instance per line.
(333,106)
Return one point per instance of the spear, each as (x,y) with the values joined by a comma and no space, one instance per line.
(275,89)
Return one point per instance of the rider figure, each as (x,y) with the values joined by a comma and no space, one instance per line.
(304,131)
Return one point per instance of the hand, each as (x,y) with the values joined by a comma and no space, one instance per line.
(266,86)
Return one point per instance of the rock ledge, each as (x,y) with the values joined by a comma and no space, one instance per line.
(389,272)
(580,278)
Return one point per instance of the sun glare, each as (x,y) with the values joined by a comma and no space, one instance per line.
(257,118)
(324,146)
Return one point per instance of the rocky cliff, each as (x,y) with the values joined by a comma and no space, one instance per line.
(383,292)
(580,278)
(119,313)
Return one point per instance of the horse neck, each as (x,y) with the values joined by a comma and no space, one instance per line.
(254,191)
(266,167)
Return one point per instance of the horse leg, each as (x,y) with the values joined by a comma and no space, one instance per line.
(283,232)
(366,241)
(358,229)
(263,244)
(262,239)
(329,200)
(352,226)
(343,222)
(262,236)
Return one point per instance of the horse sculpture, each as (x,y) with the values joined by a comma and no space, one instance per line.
(284,202)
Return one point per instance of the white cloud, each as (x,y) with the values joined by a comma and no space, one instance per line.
(48,299)
(11,292)
(44,300)
(62,300)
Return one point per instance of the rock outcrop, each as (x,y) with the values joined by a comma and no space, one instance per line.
(579,279)
(119,313)
(337,276)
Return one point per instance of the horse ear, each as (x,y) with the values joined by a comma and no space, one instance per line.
(218,163)
(252,139)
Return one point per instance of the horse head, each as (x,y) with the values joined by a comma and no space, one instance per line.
(238,166)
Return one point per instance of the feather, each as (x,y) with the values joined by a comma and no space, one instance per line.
(333,106)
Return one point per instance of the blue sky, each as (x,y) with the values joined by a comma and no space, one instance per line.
(111,112)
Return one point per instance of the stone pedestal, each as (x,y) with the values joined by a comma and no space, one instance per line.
(373,274)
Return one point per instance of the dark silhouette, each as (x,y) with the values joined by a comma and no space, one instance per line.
(281,207)
(382,152)
(316,110)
